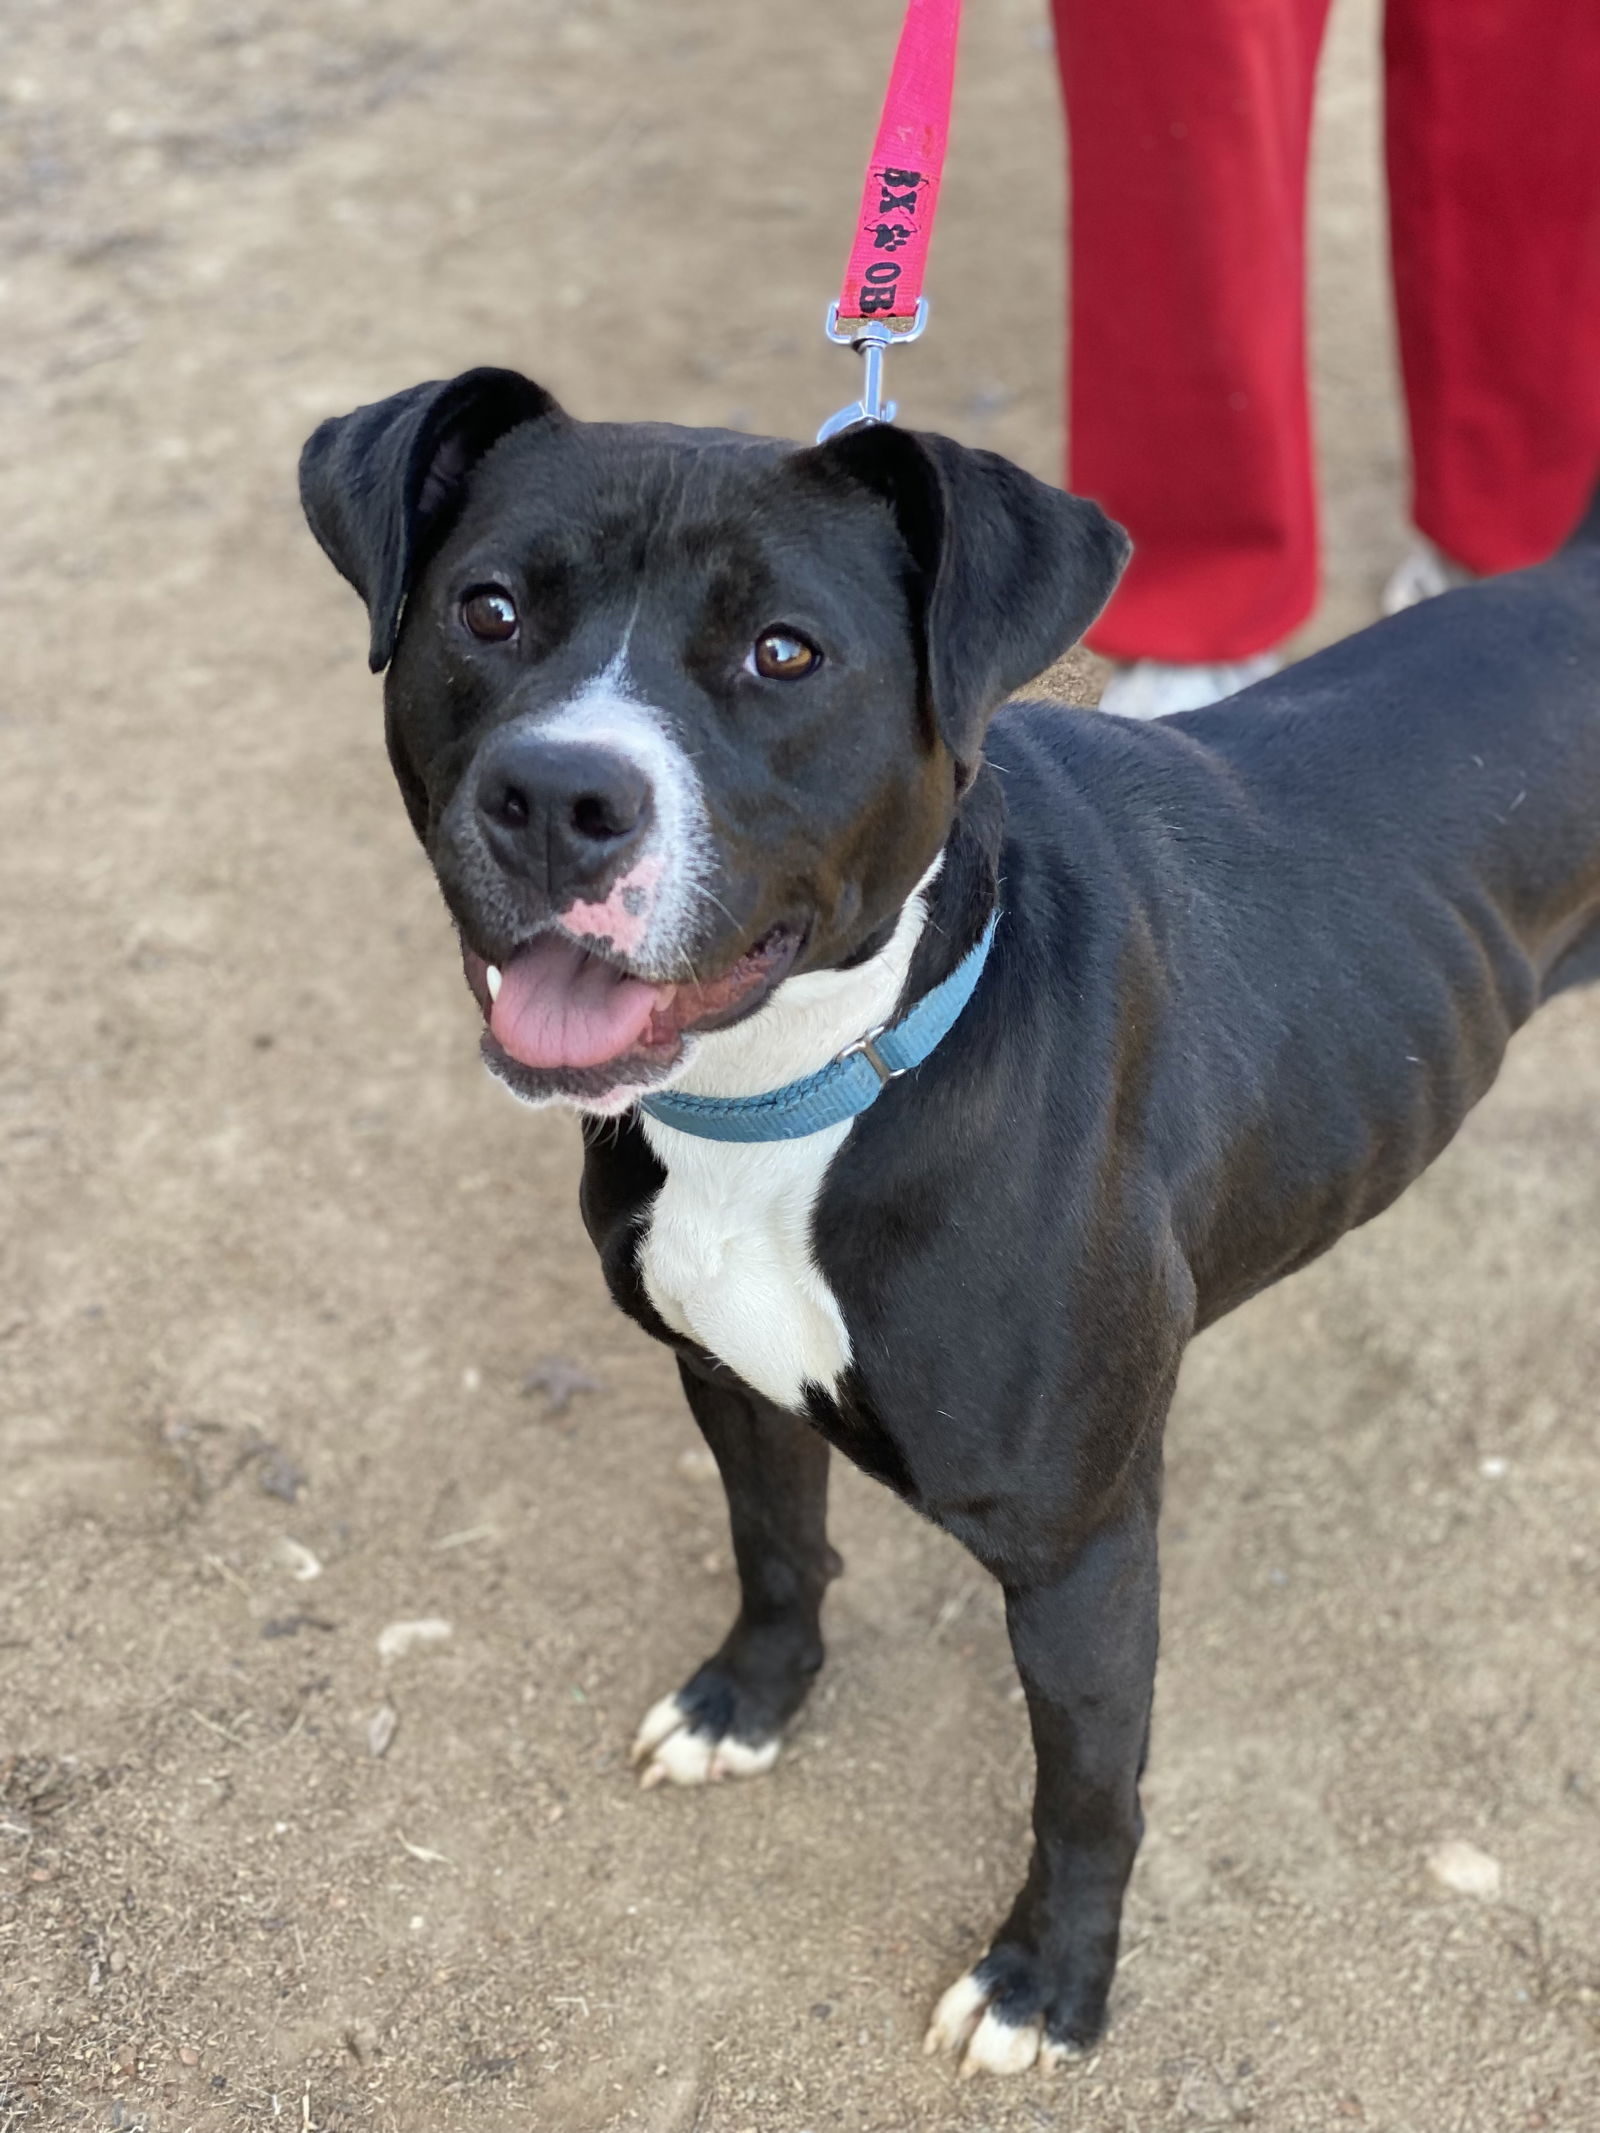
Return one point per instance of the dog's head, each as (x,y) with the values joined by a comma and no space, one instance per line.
(677,713)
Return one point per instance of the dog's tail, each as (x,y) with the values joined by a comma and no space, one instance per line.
(1586,534)
(1579,966)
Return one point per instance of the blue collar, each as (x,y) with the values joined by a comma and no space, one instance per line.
(841,1089)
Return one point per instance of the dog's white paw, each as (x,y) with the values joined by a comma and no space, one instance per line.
(968,2024)
(674,1752)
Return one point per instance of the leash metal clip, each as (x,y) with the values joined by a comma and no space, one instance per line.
(871,338)
(867,1046)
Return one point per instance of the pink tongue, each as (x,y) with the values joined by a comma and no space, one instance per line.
(559,1006)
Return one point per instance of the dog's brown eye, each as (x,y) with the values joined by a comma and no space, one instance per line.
(490,612)
(780,655)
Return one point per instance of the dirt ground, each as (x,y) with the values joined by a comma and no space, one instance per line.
(300,1338)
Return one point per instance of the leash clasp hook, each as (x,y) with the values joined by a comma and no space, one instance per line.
(871,338)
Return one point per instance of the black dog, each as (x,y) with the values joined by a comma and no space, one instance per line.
(695,730)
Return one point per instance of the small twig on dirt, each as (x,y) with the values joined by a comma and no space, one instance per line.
(226,1570)
(420,1851)
(212,1726)
(469,1533)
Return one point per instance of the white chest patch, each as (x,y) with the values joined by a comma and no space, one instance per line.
(727,1254)
(728,1259)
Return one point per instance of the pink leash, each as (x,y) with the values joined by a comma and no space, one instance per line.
(881,302)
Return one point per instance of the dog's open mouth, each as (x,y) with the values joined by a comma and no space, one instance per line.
(574,1023)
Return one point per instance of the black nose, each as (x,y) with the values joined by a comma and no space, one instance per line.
(561,813)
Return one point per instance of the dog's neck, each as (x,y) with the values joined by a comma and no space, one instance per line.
(811,1019)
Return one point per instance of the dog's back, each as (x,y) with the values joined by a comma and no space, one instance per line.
(1460,741)
(1337,895)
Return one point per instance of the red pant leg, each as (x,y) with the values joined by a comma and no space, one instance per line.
(1188,123)
(1494,181)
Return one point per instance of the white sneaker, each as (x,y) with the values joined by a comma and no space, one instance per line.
(1422,573)
(1150,688)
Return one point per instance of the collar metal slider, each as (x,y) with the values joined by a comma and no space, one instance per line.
(871,338)
(867,1046)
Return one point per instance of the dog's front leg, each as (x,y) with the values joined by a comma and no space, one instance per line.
(1085,1646)
(727,1719)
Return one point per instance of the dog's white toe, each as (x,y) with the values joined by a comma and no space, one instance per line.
(1001,2047)
(661,1719)
(967,2025)
(673,1753)
(956,2015)
(744,1758)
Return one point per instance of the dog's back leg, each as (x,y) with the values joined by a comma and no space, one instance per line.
(1085,1646)
(727,1719)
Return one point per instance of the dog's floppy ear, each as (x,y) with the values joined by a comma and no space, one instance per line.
(1009,571)
(380,486)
